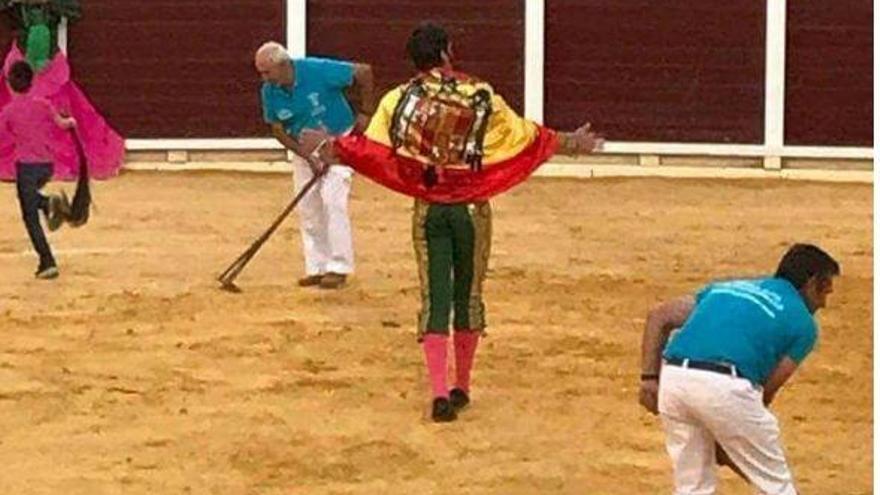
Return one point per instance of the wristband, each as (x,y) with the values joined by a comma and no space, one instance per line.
(316,153)
(649,376)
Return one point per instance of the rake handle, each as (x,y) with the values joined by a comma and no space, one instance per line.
(231,273)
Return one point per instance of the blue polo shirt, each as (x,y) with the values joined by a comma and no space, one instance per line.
(751,324)
(315,100)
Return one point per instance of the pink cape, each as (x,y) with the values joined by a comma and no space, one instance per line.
(104,148)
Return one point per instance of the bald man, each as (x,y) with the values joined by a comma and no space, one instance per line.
(317,93)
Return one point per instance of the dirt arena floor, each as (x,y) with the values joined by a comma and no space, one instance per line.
(133,374)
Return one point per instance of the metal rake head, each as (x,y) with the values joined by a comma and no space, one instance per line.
(229,286)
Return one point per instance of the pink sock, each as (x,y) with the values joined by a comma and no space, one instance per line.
(465,348)
(434,345)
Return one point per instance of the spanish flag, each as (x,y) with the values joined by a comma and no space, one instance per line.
(512,148)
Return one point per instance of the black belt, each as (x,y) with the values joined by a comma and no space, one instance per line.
(724,369)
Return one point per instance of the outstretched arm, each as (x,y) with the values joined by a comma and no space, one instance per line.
(580,142)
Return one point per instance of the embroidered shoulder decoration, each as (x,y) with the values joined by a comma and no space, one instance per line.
(443,121)
(445,137)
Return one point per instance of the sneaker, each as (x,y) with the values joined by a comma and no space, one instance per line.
(459,399)
(333,280)
(59,210)
(442,411)
(310,281)
(47,273)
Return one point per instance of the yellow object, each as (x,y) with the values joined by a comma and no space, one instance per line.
(507,133)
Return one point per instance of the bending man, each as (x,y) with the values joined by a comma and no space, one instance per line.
(740,341)
(314,93)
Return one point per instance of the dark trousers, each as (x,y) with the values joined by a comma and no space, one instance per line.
(30,178)
(452,244)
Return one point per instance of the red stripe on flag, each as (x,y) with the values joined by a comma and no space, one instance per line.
(404,175)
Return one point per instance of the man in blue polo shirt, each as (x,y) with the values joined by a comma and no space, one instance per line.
(739,342)
(315,93)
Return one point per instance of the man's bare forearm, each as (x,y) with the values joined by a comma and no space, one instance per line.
(288,141)
(653,342)
(659,324)
(366,89)
(785,368)
(361,93)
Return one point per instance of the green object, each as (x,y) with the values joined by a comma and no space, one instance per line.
(37,26)
(39,46)
(452,246)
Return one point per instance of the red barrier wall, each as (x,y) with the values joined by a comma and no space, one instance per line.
(639,70)
(829,93)
(643,70)
(175,68)
(487,35)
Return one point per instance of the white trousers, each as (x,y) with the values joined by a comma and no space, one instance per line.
(324,223)
(699,408)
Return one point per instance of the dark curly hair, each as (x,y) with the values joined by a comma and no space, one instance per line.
(804,261)
(426,46)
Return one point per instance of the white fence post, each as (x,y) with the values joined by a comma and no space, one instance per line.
(774,85)
(296,22)
(533,91)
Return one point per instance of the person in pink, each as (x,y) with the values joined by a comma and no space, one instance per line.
(28,122)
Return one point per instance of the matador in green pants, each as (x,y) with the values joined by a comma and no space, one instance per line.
(452,243)
(448,140)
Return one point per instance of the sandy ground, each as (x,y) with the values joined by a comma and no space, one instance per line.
(133,374)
